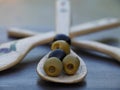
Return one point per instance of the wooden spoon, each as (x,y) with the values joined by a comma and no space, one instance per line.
(114,52)
(63,78)
(63,22)
(13,52)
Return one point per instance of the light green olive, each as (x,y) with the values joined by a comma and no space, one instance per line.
(71,64)
(61,44)
(53,66)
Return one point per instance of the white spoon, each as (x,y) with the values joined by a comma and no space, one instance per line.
(63,21)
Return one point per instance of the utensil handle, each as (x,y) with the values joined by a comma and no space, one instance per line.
(90,27)
(62,17)
(92,45)
(20,33)
(95,26)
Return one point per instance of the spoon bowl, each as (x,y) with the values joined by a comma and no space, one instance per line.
(63,78)
(12,53)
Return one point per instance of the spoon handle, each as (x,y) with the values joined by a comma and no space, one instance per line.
(62,17)
(20,33)
(92,45)
(95,26)
(90,27)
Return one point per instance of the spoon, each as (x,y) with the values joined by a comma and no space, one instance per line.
(83,29)
(114,52)
(12,53)
(62,27)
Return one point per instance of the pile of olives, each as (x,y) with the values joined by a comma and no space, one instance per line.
(60,58)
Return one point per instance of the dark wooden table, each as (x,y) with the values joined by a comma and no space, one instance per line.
(39,15)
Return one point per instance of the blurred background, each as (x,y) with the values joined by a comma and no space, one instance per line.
(36,13)
(39,15)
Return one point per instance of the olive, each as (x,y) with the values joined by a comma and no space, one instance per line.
(59,53)
(62,37)
(71,64)
(53,67)
(60,44)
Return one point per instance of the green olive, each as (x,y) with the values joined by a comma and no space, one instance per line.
(71,64)
(61,44)
(53,66)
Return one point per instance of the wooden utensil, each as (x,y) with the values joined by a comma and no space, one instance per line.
(13,52)
(63,22)
(90,27)
(114,52)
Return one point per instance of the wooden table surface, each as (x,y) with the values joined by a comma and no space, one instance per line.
(39,15)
